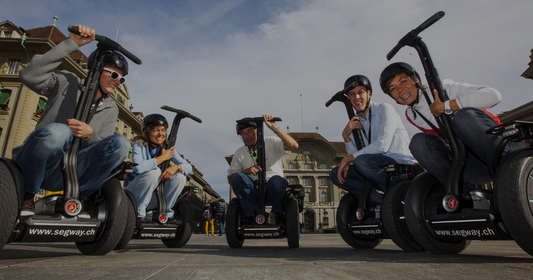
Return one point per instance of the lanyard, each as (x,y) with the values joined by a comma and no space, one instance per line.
(369,136)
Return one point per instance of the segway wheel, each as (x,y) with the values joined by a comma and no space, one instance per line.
(233,224)
(392,211)
(346,214)
(185,230)
(9,204)
(293,222)
(514,193)
(112,227)
(131,221)
(431,205)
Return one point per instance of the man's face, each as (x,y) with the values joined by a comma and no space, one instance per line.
(403,89)
(107,83)
(158,134)
(249,136)
(359,97)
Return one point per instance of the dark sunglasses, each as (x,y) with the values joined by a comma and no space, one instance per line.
(115,76)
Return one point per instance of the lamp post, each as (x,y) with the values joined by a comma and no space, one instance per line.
(324,222)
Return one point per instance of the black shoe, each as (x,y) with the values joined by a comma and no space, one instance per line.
(28,205)
(280,219)
(248,220)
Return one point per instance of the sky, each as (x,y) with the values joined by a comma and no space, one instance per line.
(222,60)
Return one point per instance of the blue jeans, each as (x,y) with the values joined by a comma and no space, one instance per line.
(42,152)
(248,192)
(221,221)
(368,167)
(469,125)
(143,188)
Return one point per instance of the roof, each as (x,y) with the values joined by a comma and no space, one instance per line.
(338,147)
(53,34)
(528,74)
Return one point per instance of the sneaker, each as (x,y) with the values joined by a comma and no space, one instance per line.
(28,205)
(84,215)
(280,219)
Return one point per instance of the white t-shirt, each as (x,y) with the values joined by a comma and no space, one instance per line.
(274,152)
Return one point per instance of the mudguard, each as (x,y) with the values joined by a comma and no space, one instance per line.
(418,191)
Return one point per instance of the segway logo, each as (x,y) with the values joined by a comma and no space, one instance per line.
(466,232)
(62,232)
(366,231)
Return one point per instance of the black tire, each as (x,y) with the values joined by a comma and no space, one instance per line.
(514,190)
(233,224)
(292,217)
(346,214)
(112,228)
(131,221)
(392,211)
(185,230)
(9,204)
(432,205)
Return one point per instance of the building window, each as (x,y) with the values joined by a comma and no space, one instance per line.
(7,34)
(125,130)
(292,166)
(291,180)
(307,182)
(5,95)
(41,104)
(323,197)
(306,153)
(323,181)
(307,197)
(13,66)
(308,166)
(322,166)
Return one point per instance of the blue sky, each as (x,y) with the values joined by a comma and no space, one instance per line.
(222,60)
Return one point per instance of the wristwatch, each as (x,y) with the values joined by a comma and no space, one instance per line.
(447,109)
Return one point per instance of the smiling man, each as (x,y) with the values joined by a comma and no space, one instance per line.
(101,151)
(385,138)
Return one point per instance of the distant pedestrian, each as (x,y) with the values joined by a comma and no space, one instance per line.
(209,218)
(219,209)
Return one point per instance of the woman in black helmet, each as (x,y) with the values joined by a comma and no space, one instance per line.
(148,153)
(467,104)
(102,150)
(385,137)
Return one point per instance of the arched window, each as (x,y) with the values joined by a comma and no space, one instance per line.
(307,181)
(308,166)
(292,166)
(306,153)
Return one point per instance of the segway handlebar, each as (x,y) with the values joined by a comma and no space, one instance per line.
(257,119)
(109,44)
(183,114)
(409,37)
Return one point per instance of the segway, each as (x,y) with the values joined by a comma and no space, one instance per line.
(157,226)
(237,231)
(444,219)
(363,226)
(56,217)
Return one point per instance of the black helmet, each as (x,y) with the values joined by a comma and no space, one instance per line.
(112,58)
(242,125)
(355,81)
(153,120)
(394,69)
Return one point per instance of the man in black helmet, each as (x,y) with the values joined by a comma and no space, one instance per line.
(467,104)
(101,151)
(385,138)
(242,174)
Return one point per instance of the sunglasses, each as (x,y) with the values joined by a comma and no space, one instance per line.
(115,76)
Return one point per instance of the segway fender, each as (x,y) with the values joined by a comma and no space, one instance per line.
(113,195)
(17,177)
(184,208)
(418,190)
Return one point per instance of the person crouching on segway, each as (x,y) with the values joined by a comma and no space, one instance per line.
(242,174)
(101,150)
(148,153)
(385,138)
(467,103)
